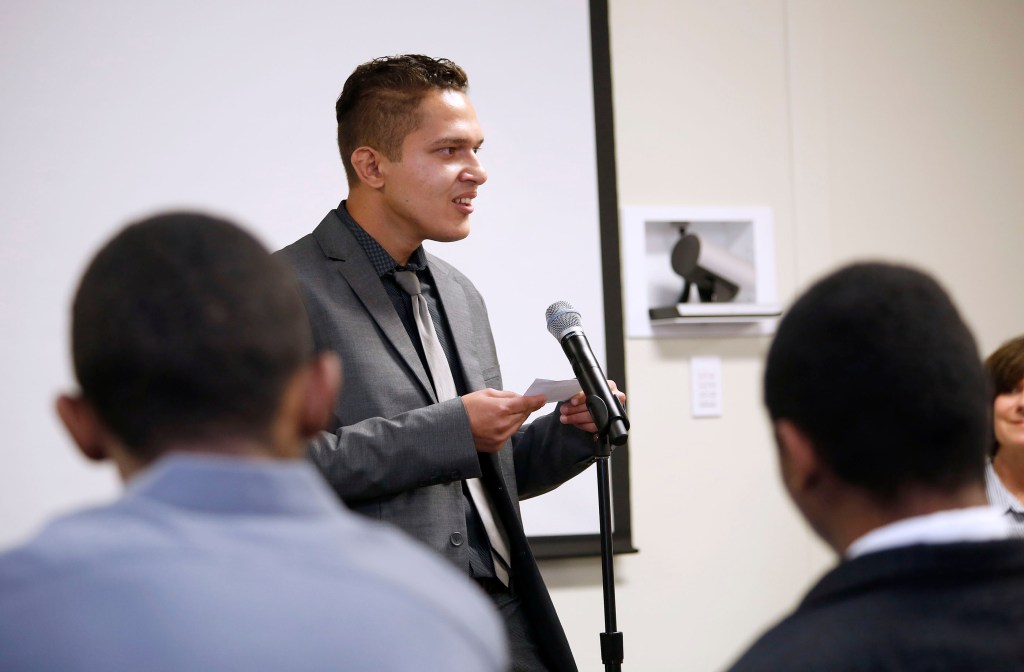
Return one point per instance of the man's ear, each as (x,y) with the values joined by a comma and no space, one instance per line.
(801,467)
(323,383)
(817,492)
(83,425)
(366,161)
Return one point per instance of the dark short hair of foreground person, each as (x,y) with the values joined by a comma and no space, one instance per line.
(227,550)
(881,412)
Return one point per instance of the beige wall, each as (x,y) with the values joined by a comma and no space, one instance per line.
(873,129)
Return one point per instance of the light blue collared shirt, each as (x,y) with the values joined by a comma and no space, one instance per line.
(216,563)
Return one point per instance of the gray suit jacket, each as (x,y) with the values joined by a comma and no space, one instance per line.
(399,456)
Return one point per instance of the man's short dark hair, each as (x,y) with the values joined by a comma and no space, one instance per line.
(184,329)
(378,104)
(876,366)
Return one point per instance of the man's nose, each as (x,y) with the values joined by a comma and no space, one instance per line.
(475,171)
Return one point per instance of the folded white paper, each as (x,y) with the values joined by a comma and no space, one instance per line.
(554,390)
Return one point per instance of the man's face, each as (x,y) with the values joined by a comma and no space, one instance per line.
(428,194)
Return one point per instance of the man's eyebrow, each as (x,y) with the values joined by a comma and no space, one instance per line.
(459,141)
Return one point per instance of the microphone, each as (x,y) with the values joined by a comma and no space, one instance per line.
(565,324)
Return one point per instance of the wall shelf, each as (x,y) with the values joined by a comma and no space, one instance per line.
(653,290)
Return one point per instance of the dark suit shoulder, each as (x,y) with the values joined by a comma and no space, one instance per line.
(923,607)
(299,249)
(441,268)
(328,239)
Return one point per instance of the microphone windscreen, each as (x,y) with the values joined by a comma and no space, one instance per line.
(561,317)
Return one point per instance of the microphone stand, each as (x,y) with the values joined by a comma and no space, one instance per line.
(609,417)
(612,430)
(611,638)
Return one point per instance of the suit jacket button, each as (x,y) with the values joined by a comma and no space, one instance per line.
(456,539)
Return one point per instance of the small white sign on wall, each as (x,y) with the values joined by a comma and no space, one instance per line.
(706,387)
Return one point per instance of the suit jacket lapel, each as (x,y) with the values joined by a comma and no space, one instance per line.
(339,244)
(460,320)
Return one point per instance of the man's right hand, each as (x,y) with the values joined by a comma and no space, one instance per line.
(495,415)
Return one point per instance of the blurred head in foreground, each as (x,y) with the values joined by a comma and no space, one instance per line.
(188,336)
(879,402)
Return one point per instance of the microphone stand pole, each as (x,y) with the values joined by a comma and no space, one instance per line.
(611,638)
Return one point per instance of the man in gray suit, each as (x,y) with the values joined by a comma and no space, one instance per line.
(403,450)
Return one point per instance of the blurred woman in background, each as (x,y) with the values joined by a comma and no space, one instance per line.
(1005,474)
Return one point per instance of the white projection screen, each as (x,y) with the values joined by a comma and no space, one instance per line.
(118,109)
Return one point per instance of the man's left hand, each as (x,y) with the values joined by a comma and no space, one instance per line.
(574,412)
